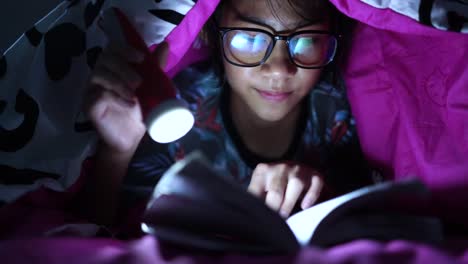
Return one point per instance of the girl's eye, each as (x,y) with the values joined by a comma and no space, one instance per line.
(303,45)
(249,42)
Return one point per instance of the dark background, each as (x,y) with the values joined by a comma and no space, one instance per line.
(17,16)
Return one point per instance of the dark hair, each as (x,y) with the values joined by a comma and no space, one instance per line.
(310,10)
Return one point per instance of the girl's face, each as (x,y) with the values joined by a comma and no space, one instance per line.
(271,91)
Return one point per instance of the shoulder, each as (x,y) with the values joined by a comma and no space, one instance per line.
(197,81)
(330,94)
(330,111)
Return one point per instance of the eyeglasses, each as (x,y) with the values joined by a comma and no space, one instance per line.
(249,47)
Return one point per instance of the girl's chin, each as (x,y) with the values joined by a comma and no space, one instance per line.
(270,118)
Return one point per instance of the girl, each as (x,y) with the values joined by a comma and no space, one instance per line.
(269,110)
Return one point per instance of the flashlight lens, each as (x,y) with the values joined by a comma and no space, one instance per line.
(171,125)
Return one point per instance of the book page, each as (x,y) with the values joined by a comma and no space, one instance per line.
(304,224)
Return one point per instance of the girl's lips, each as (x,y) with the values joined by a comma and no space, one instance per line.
(274,96)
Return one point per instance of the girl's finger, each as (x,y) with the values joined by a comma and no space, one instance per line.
(316,185)
(294,189)
(110,81)
(98,100)
(277,180)
(161,54)
(257,182)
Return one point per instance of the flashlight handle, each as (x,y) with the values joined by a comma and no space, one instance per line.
(156,87)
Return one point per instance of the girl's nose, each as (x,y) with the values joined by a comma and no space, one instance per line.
(278,63)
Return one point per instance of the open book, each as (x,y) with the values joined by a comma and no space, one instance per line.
(193,205)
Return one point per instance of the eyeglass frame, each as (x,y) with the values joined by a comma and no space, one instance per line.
(275,37)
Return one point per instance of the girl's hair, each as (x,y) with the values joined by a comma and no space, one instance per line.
(309,10)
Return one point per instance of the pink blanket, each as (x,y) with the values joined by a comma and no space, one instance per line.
(148,250)
(408,88)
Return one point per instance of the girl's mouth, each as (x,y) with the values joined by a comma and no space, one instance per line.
(274,96)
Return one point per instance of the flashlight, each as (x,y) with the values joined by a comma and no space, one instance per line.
(166,117)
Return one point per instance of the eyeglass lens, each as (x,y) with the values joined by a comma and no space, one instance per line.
(250,48)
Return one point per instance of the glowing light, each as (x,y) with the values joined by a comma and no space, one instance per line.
(169,122)
(303,45)
(239,41)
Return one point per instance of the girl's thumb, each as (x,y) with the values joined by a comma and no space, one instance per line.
(161,54)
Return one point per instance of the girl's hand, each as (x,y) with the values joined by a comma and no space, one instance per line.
(110,101)
(282,185)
